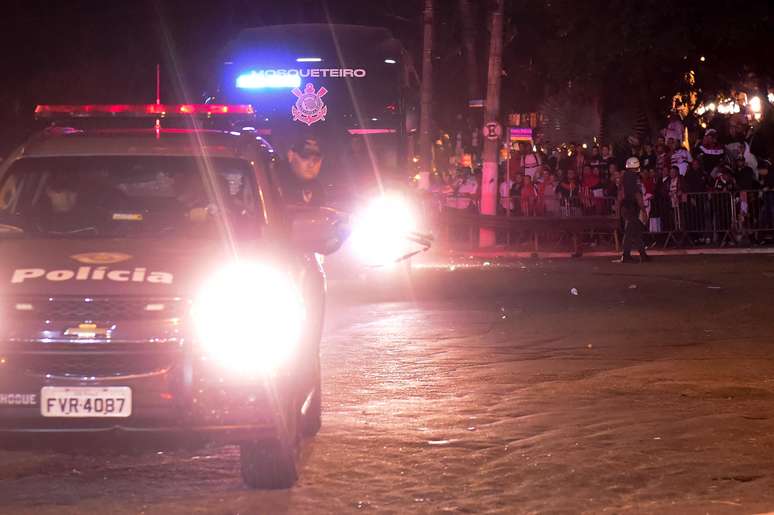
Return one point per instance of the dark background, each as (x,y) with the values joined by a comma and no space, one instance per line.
(106,52)
(625,58)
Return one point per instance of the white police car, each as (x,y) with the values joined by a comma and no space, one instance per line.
(152,283)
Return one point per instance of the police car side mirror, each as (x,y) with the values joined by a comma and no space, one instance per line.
(317,229)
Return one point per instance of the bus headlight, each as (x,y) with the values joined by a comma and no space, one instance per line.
(380,232)
(249,318)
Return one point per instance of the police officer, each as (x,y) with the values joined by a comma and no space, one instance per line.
(72,205)
(299,176)
(631,207)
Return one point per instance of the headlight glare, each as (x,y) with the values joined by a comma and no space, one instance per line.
(380,232)
(249,317)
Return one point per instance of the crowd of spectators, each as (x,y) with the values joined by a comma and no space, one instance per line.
(679,184)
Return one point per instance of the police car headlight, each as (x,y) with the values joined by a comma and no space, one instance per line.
(249,318)
(380,232)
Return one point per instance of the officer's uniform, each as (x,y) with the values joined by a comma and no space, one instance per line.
(631,205)
(300,192)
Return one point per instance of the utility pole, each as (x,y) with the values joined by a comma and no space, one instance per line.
(425,119)
(492,143)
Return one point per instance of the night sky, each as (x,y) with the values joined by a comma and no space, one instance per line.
(87,51)
(106,51)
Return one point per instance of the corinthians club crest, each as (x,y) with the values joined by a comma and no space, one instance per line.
(309,106)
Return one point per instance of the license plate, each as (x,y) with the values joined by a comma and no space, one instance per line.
(86,402)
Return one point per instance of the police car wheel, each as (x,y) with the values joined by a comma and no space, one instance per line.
(311,421)
(270,463)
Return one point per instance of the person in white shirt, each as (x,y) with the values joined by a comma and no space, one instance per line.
(675,128)
(680,156)
(468,191)
(530,163)
(506,202)
(465,191)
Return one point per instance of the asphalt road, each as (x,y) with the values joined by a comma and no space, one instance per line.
(550,387)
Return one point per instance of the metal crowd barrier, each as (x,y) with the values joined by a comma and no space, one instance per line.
(691,218)
(717,218)
(456,222)
(685,220)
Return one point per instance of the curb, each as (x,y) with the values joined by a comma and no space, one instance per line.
(506,254)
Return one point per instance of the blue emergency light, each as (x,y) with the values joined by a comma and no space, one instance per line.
(255,80)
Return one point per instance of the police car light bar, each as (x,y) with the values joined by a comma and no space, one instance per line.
(140,110)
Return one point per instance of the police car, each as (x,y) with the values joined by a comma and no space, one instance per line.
(152,283)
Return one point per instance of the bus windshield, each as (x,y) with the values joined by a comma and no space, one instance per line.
(343,85)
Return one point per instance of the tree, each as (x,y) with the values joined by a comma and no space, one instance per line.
(494,75)
(425,119)
(635,54)
(635,48)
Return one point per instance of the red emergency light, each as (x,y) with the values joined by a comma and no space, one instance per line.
(140,110)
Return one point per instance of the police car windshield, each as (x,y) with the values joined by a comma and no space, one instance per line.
(129,196)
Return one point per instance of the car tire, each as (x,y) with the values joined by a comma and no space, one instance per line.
(270,464)
(311,421)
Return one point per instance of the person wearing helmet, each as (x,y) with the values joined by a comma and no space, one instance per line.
(631,206)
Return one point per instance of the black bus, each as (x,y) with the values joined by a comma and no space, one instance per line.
(351,87)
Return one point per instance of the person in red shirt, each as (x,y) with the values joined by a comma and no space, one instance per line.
(589,183)
(577,159)
(548,198)
(569,194)
(648,179)
(675,189)
(514,163)
(528,196)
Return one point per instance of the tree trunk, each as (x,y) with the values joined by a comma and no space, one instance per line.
(425,119)
(491,146)
(469,46)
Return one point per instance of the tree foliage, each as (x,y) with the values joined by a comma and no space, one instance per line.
(635,52)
